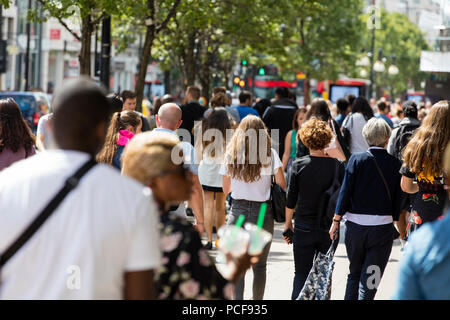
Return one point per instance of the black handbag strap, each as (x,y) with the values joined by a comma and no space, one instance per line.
(381,175)
(69,185)
(333,182)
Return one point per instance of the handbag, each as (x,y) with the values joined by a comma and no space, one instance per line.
(334,150)
(328,202)
(69,185)
(395,233)
(318,283)
(277,200)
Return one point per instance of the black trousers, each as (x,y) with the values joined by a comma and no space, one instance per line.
(368,250)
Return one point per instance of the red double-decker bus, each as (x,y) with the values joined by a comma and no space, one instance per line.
(263,86)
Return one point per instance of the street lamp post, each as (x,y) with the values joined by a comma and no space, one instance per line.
(393,71)
(372,54)
(378,66)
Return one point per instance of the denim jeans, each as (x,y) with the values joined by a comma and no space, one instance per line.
(250,209)
(368,250)
(307,243)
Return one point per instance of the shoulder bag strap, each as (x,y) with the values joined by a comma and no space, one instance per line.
(381,175)
(69,185)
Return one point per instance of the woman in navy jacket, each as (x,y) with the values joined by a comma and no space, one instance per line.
(370,206)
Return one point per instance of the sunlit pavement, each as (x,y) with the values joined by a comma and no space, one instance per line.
(280,271)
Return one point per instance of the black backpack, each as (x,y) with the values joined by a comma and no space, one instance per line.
(402,138)
(328,201)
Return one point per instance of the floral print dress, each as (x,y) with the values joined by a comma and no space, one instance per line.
(187,271)
(427,204)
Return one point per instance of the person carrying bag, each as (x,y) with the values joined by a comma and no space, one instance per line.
(70,184)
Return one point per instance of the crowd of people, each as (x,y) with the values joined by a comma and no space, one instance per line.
(125,232)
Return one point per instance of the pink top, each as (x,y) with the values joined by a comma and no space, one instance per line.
(7,157)
(124,137)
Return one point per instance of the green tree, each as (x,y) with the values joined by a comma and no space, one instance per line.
(152,18)
(208,37)
(82,15)
(322,38)
(400,37)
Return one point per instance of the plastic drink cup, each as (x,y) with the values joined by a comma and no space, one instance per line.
(233,239)
(259,238)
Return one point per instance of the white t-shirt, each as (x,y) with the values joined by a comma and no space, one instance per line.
(355,124)
(43,128)
(254,191)
(106,226)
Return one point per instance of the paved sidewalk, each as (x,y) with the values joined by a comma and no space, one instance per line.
(280,271)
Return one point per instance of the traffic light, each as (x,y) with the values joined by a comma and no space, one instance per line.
(3,56)
(261,71)
(244,62)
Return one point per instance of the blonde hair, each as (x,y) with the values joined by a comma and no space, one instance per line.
(243,154)
(425,152)
(149,154)
(447,161)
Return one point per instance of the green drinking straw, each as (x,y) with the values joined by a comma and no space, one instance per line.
(240,221)
(262,213)
(238,224)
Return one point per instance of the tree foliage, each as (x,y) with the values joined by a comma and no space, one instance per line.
(400,37)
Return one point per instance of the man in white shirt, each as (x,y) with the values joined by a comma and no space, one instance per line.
(102,242)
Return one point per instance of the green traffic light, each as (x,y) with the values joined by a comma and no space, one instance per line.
(244,62)
(262,71)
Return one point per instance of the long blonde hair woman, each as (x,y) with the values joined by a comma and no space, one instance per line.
(247,174)
(423,160)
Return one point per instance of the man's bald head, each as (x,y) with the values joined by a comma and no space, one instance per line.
(169,116)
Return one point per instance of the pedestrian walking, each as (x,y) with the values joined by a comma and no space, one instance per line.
(129,103)
(279,116)
(337,149)
(354,123)
(383,112)
(210,151)
(123,126)
(369,202)
(187,271)
(219,100)
(44,135)
(399,139)
(423,161)
(423,271)
(310,178)
(245,105)
(102,241)
(291,141)
(191,111)
(16,140)
(247,172)
(168,120)
(343,109)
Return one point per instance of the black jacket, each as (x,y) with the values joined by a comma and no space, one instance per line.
(363,190)
(279,116)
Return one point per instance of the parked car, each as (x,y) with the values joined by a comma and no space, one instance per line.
(33,105)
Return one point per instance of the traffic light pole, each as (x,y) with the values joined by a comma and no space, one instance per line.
(106,52)
(27,54)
